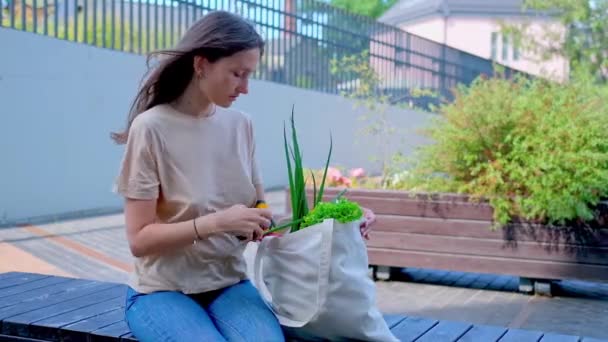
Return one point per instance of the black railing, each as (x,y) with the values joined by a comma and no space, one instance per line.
(302,36)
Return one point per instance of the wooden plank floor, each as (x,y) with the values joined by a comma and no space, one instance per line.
(36,307)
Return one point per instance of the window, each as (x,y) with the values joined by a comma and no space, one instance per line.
(516,52)
(494,45)
(505,48)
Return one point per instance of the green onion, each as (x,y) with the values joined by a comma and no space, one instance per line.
(297,182)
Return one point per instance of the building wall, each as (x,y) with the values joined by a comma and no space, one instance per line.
(474,35)
(60,100)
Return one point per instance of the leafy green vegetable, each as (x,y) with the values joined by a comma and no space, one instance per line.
(297,183)
(341,210)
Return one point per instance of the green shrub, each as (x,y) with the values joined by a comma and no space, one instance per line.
(536,150)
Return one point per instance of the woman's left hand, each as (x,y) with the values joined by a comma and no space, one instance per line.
(366,226)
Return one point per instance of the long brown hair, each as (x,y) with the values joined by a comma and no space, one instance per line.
(216,35)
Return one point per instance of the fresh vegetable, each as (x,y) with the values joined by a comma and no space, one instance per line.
(297,182)
(302,216)
(342,210)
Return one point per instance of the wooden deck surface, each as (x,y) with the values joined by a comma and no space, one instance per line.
(36,307)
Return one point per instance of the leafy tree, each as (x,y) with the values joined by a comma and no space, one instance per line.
(582,37)
(368,8)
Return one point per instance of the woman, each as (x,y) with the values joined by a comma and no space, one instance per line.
(190,181)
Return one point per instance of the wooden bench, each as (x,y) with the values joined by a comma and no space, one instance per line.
(36,307)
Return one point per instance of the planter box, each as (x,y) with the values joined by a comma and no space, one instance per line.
(449,232)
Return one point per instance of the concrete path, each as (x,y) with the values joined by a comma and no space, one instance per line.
(96,248)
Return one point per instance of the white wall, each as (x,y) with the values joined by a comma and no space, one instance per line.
(60,100)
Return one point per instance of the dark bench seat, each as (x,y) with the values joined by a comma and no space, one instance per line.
(36,307)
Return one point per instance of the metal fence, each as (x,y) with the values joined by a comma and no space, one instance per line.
(303,37)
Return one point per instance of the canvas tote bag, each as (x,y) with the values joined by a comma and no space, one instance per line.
(316,282)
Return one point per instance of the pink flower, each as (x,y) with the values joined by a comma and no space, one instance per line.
(334,174)
(357,173)
(346,181)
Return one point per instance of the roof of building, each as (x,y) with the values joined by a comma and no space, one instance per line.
(410,10)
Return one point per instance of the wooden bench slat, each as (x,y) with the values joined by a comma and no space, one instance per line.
(524,250)
(412,207)
(8,275)
(7,338)
(412,328)
(41,292)
(129,337)
(435,226)
(22,325)
(484,264)
(21,279)
(67,306)
(445,331)
(114,331)
(83,313)
(552,337)
(51,326)
(80,330)
(48,300)
(521,335)
(393,320)
(34,285)
(483,333)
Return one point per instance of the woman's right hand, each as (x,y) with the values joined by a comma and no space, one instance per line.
(246,223)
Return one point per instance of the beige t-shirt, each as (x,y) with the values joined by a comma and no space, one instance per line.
(192,166)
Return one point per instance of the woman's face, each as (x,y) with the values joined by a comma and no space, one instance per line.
(223,81)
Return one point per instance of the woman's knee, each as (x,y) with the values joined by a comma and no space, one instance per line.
(241,315)
(169,316)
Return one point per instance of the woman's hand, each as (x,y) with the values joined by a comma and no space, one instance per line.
(246,223)
(366,226)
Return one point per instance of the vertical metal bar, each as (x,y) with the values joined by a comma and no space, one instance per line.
(293,40)
(113,24)
(195,8)
(56,16)
(85,23)
(139,33)
(122,25)
(172,25)
(156,31)
(66,27)
(12,15)
(280,15)
(2,13)
(267,54)
(131,35)
(23,10)
(187,15)
(103,23)
(164,24)
(179,19)
(95,22)
(35,15)
(75,20)
(147,26)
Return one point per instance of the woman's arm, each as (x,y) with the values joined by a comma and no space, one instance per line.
(259,191)
(147,237)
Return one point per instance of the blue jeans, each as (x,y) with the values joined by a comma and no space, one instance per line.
(235,313)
